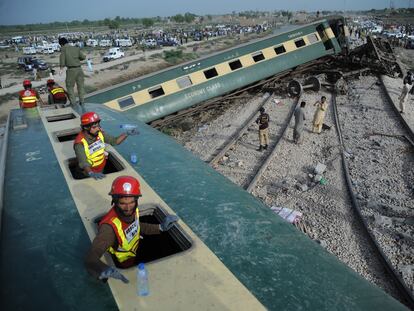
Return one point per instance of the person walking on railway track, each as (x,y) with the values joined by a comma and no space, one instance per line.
(263,121)
(119,232)
(57,95)
(89,146)
(319,116)
(407,83)
(70,57)
(299,123)
(28,98)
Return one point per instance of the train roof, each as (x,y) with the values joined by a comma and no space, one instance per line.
(255,259)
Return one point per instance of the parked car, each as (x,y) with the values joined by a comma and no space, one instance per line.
(150,43)
(168,42)
(25,62)
(113,53)
(40,64)
(29,50)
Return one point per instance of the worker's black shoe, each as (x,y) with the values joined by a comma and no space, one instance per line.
(260,148)
(265,147)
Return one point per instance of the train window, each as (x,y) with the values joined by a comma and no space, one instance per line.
(184,82)
(280,49)
(299,43)
(210,73)
(126,102)
(156,91)
(113,165)
(258,56)
(235,64)
(313,38)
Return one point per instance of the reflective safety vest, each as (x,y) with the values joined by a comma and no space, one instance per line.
(95,152)
(28,98)
(58,93)
(126,234)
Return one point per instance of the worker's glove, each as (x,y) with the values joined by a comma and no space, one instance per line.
(112,272)
(132,132)
(168,222)
(96,175)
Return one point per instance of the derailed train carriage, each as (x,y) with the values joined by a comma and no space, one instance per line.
(159,94)
(227,252)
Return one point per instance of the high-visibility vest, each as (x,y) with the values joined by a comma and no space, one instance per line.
(95,152)
(28,98)
(58,93)
(126,234)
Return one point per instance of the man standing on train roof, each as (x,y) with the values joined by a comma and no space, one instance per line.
(90,143)
(57,95)
(319,116)
(28,97)
(263,121)
(70,57)
(119,231)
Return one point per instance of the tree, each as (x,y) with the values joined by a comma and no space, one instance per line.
(189,17)
(147,22)
(113,25)
(178,18)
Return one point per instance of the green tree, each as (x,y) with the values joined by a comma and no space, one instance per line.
(113,25)
(147,22)
(189,17)
(178,18)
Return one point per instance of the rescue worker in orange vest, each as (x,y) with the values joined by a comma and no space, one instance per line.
(28,97)
(89,146)
(119,231)
(57,95)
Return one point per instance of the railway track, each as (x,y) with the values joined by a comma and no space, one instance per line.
(239,159)
(382,149)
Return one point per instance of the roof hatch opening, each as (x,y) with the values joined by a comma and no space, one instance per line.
(156,246)
(67,135)
(113,165)
(61,117)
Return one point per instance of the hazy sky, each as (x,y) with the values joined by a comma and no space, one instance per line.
(14,12)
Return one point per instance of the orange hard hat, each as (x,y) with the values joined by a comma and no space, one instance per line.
(89,117)
(50,81)
(27,83)
(125,186)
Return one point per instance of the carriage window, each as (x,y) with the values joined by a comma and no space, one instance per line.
(299,43)
(313,38)
(184,82)
(156,91)
(257,57)
(280,49)
(210,73)
(235,64)
(126,102)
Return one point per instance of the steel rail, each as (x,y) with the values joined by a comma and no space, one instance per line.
(259,172)
(399,282)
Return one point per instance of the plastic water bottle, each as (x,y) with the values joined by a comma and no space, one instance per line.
(134,158)
(142,280)
(128,127)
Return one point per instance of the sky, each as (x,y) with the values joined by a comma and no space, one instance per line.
(17,12)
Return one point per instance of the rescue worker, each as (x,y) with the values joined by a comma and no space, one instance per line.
(299,122)
(319,116)
(89,146)
(28,97)
(70,57)
(57,95)
(119,231)
(263,121)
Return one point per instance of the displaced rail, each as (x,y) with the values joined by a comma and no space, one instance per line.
(370,207)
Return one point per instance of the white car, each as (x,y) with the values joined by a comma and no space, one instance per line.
(112,54)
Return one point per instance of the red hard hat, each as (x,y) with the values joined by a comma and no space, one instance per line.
(89,117)
(27,83)
(50,81)
(126,186)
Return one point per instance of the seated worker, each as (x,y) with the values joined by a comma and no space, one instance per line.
(28,97)
(57,95)
(90,143)
(119,231)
